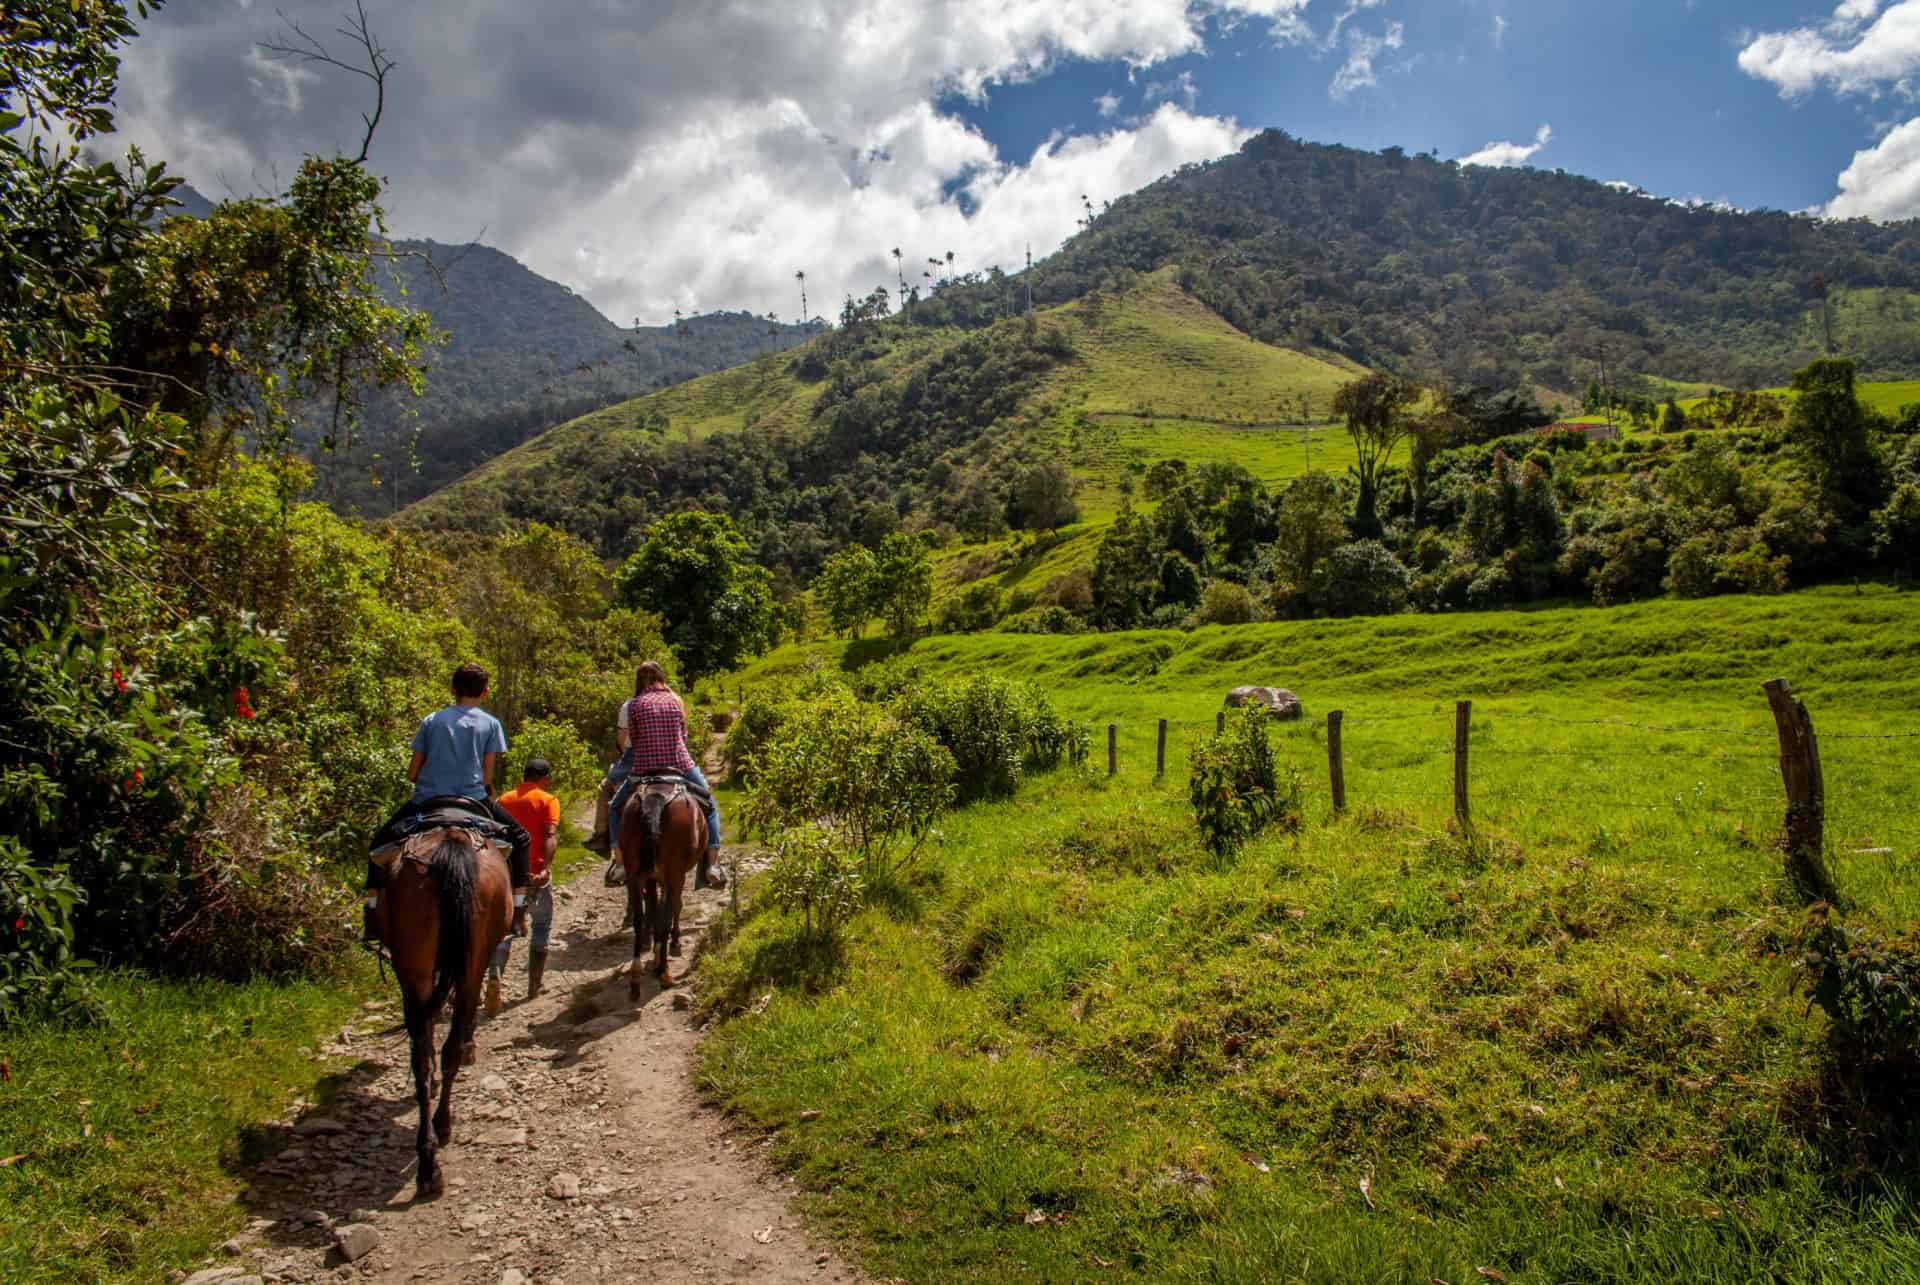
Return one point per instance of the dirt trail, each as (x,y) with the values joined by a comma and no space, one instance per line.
(582,1151)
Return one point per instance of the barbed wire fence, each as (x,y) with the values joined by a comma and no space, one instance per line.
(1744,776)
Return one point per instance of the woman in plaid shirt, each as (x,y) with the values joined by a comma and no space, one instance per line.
(655,731)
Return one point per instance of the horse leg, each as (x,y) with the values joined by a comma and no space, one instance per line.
(637,902)
(458,1049)
(670,922)
(429,1179)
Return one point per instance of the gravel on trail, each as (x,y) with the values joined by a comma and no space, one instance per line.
(582,1150)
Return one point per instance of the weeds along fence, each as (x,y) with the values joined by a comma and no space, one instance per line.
(1771,783)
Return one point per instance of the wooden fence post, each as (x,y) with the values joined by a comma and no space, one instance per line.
(1220,723)
(1160,753)
(1462,720)
(1335,768)
(1113,751)
(1804,841)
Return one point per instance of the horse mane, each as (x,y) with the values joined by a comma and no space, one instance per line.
(452,865)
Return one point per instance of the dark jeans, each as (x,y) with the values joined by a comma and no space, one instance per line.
(521,843)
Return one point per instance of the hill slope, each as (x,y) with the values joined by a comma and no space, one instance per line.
(1132,377)
(1503,277)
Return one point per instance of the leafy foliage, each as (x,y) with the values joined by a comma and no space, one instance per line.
(1236,785)
(1868,984)
(696,571)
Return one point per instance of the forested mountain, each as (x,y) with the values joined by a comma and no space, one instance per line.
(522,352)
(1504,277)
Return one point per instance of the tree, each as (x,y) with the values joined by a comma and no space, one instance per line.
(1042,499)
(902,583)
(801,277)
(844,589)
(1375,410)
(1310,523)
(1672,418)
(696,570)
(1829,425)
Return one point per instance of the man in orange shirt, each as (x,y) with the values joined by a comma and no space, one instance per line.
(538,813)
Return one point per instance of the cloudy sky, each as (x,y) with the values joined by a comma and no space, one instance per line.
(695,154)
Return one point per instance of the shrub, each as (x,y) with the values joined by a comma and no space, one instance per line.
(984,723)
(1043,620)
(576,769)
(1869,986)
(814,878)
(759,722)
(252,906)
(973,609)
(1361,579)
(1236,786)
(1225,603)
(878,782)
(38,970)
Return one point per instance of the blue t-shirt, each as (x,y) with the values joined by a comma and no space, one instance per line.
(454,739)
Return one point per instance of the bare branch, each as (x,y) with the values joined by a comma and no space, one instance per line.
(299,45)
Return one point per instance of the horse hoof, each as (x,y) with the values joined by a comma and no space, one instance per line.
(434,1185)
(633,987)
(674,950)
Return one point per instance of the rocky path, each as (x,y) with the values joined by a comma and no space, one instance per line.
(582,1151)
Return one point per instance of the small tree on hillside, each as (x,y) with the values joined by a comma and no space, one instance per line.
(1829,425)
(902,583)
(1672,418)
(1043,498)
(1375,409)
(696,570)
(1310,523)
(845,589)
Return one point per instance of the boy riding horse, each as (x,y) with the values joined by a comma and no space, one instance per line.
(455,753)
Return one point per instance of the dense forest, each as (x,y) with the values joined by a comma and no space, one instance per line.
(1499,277)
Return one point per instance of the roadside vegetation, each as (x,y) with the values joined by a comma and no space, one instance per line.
(1577,1043)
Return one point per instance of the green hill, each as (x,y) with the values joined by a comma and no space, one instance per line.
(1139,375)
(1503,277)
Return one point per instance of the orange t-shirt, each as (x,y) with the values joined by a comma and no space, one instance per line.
(535,810)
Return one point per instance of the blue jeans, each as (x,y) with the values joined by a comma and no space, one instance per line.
(620,799)
(540,926)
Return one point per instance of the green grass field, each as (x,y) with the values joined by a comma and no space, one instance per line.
(1082,1049)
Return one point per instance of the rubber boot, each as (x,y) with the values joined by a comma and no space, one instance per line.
(536,970)
(369,925)
(600,842)
(495,1000)
(708,875)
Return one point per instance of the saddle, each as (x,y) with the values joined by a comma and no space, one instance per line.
(435,822)
(646,782)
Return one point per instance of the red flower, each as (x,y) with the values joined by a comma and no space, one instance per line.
(137,778)
(127,785)
(19,924)
(119,681)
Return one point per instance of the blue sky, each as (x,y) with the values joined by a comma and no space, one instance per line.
(696,154)
(1646,91)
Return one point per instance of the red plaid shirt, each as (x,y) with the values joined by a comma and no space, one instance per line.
(657,730)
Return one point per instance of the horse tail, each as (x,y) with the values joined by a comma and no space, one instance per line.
(452,865)
(653,808)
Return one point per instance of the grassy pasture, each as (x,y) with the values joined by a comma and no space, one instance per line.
(1078,1048)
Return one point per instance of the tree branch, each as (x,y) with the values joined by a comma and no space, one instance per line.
(298,45)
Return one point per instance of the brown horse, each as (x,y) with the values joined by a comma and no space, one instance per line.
(662,834)
(447,904)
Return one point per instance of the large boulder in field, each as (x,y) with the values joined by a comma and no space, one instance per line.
(1279,702)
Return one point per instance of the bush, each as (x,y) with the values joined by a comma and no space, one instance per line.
(982,723)
(759,722)
(1869,987)
(877,782)
(973,609)
(1361,579)
(813,878)
(576,769)
(250,906)
(1043,620)
(1225,603)
(1236,787)
(38,971)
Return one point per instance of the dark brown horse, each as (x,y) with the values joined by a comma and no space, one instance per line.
(447,904)
(662,834)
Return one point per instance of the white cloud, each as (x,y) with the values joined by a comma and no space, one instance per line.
(1499,32)
(1507,154)
(1346,15)
(1357,72)
(1180,87)
(687,153)
(1860,50)
(1107,104)
(1883,182)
